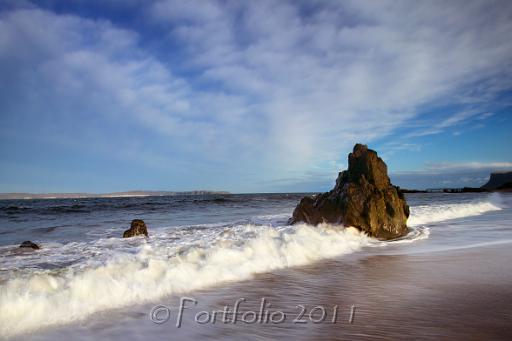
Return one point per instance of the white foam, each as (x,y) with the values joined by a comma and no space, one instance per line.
(415,234)
(120,272)
(53,297)
(428,214)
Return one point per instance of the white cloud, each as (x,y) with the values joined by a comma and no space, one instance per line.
(91,66)
(451,121)
(468,166)
(346,72)
(485,115)
(271,87)
(458,168)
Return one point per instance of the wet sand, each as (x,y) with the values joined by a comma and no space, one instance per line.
(451,295)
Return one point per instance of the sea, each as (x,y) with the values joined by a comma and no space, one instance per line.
(86,278)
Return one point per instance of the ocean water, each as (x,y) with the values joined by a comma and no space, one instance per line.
(84,267)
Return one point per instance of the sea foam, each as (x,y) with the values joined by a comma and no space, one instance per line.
(53,297)
(433,213)
(121,272)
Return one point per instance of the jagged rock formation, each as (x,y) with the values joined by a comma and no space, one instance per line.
(137,228)
(29,245)
(363,197)
(498,180)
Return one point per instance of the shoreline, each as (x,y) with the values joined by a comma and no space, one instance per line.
(455,294)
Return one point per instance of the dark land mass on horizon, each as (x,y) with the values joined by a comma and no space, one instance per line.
(18,196)
(498,181)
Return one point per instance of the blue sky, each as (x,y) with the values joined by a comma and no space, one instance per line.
(251,96)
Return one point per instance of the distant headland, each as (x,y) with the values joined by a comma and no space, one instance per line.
(498,182)
(6,196)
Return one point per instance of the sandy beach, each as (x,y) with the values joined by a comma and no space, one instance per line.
(450,295)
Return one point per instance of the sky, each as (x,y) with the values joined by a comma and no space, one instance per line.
(251,96)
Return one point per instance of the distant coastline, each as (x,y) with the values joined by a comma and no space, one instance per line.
(446,190)
(498,182)
(28,196)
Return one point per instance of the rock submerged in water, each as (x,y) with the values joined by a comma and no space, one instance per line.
(137,228)
(363,197)
(29,245)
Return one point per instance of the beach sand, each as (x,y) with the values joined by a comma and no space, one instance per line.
(450,295)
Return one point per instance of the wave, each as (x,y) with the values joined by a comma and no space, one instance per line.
(112,272)
(59,296)
(76,208)
(415,233)
(432,213)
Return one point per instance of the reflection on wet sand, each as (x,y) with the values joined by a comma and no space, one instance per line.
(455,295)
(459,295)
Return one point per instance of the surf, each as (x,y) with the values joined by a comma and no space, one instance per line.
(434,213)
(172,261)
(65,295)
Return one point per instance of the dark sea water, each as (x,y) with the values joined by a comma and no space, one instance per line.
(85,268)
(68,220)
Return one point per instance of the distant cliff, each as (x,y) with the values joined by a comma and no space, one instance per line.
(499,180)
(4,196)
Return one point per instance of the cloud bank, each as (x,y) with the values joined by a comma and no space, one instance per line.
(238,95)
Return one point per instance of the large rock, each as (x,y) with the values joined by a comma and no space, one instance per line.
(137,228)
(363,197)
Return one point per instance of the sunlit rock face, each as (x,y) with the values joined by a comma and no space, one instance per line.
(363,197)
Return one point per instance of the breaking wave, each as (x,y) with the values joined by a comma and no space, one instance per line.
(433,213)
(112,272)
(51,297)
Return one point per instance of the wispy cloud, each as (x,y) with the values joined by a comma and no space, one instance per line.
(454,120)
(468,166)
(485,115)
(268,88)
(319,79)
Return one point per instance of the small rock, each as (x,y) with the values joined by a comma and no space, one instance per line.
(29,244)
(137,228)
